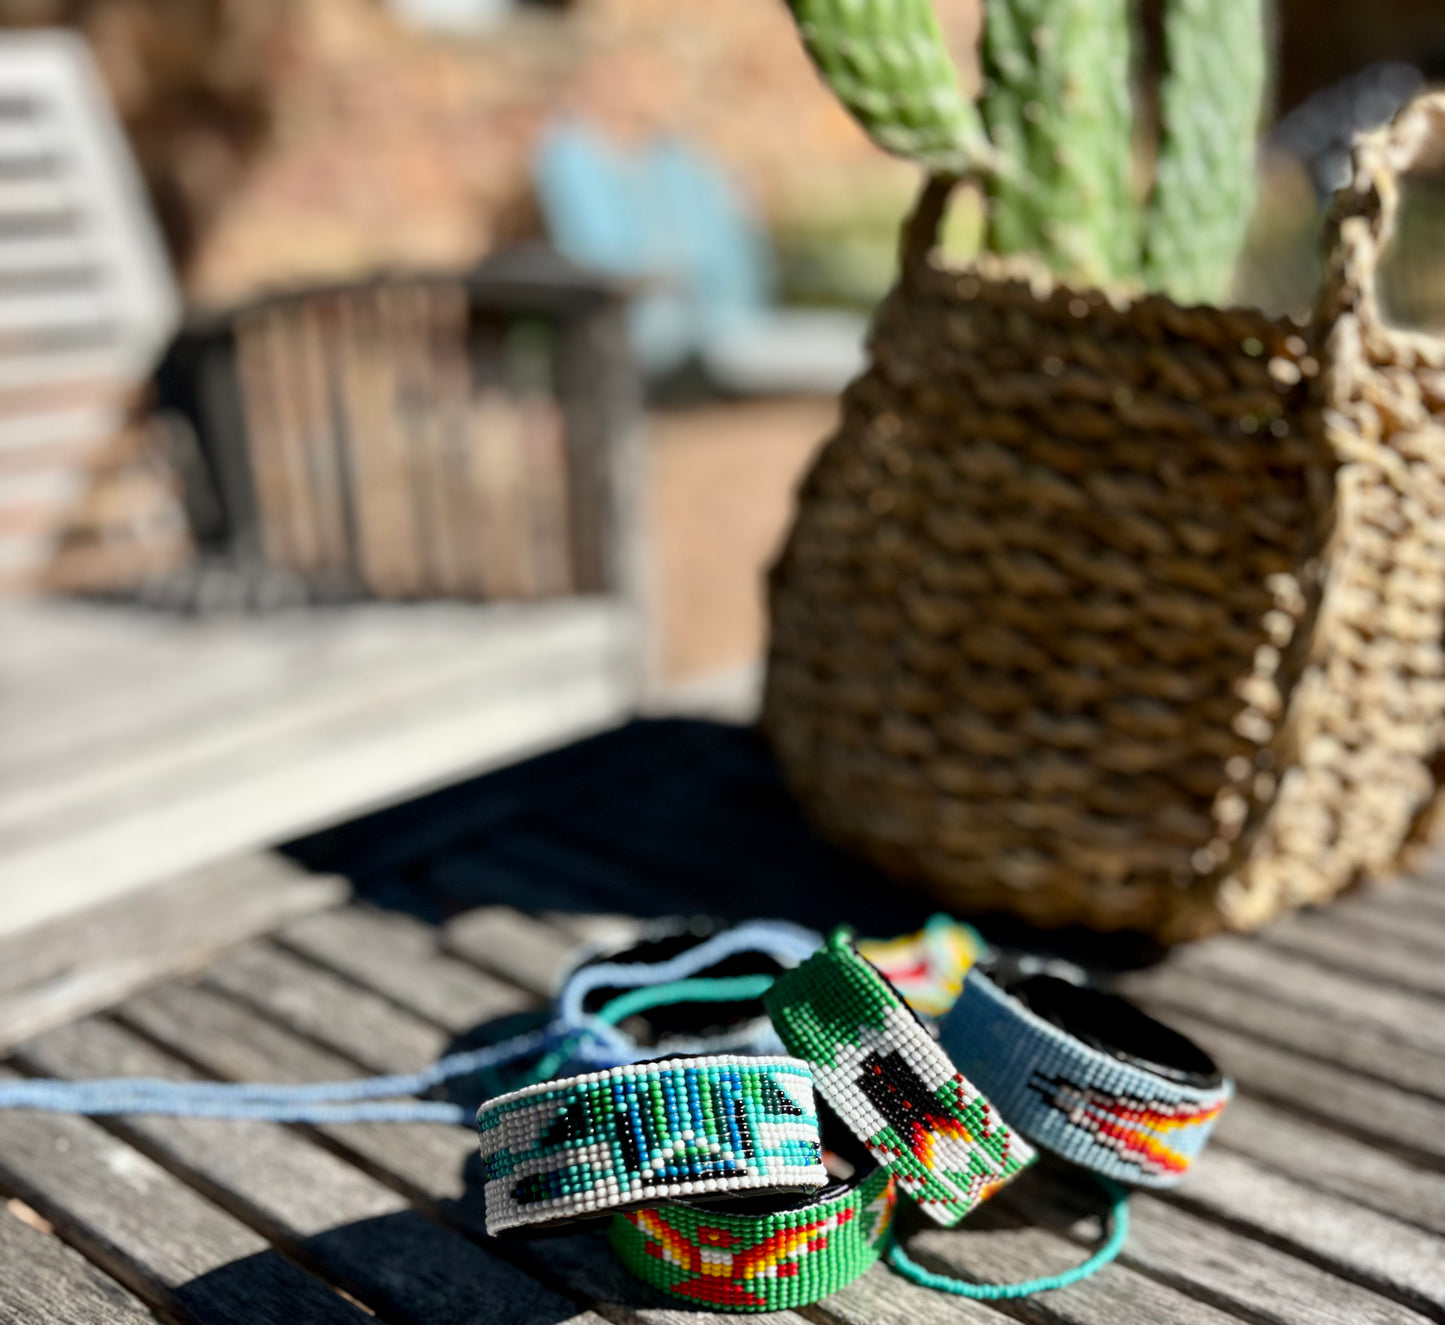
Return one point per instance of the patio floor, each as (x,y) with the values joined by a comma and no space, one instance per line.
(1321,1199)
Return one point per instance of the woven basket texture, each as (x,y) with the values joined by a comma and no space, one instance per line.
(1108,611)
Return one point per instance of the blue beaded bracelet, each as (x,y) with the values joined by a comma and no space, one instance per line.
(1086,1074)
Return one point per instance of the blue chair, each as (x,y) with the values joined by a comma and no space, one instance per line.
(669,218)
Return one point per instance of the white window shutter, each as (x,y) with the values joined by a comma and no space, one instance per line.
(87,298)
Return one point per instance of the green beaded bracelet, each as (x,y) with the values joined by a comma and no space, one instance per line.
(881,1071)
(739,1257)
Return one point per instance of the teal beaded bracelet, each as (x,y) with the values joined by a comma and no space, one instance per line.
(637,1134)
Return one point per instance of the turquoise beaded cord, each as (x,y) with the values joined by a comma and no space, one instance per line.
(905,1265)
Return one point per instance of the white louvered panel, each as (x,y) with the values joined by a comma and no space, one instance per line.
(86,295)
(47,203)
(39,311)
(44,253)
(19,373)
(55,427)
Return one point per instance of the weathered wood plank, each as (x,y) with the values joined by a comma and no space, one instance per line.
(357,1232)
(434,1164)
(1380,1114)
(1206,1260)
(338,1013)
(1338,944)
(603,929)
(882,1297)
(996,1248)
(500,939)
(183,1255)
(42,1279)
(1373,1249)
(1395,1015)
(1420,893)
(1323,1158)
(65,968)
(1170,992)
(401,958)
(1418,929)
(234,1043)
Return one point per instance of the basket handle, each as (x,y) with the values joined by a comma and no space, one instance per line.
(1361,219)
(924,223)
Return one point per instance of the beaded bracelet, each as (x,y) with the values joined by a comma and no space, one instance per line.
(563,1150)
(1086,1074)
(877,1066)
(732,1258)
(927,967)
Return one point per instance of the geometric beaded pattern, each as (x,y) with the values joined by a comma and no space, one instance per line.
(1112,1117)
(683,1127)
(892,1085)
(767,1262)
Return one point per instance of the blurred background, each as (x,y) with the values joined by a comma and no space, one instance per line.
(392,389)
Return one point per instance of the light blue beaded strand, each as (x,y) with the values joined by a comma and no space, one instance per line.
(946,1283)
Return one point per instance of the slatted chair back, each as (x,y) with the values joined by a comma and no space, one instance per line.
(415,436)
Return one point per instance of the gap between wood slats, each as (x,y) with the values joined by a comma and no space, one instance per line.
(338,1222)
(178,1258)
(43,1278)
(55,972)
(1207,1257)
(1356,1050)
(1396,961)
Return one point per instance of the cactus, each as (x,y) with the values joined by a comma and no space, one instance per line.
(1056,102)
(1204,182)
(1053,140)
(887,63)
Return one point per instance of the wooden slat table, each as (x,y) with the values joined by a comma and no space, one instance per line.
(1321,1200)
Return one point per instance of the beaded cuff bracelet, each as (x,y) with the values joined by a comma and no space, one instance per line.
(1087,1075)
(880,1070)
(571,1149)
(927,967)
(735,1260)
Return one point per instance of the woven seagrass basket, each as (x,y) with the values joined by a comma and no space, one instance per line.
(1104,610)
